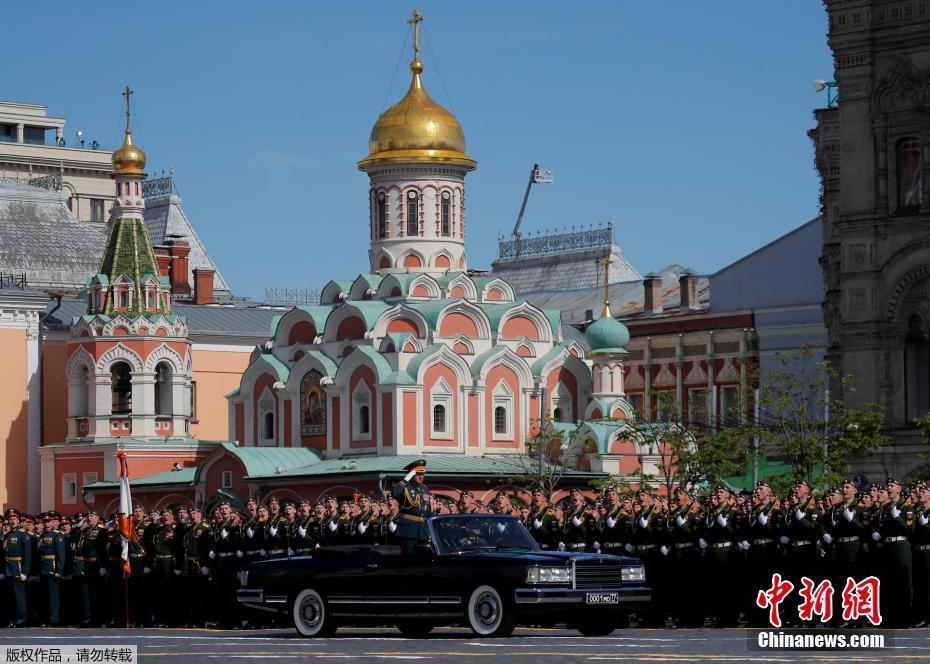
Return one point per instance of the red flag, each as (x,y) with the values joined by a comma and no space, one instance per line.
(123,521)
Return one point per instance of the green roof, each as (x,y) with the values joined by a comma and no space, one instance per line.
(279,367)
(414,366)
(264,461)
(430,309)
(371,279)
(169,477)
(371,310)
(382,368)
(445,278)
(318,313)
(128,252)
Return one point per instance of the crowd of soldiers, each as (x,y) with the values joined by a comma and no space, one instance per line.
(706,556)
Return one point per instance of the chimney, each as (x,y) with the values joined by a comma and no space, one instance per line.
(163,260)
(179,250)
(203,286)
(652,294)
(688,282)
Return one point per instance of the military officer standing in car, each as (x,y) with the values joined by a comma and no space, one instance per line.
(17,553)
(415,503)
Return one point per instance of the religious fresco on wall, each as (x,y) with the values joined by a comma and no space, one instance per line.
(312,405)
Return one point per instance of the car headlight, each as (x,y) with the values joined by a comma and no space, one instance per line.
(548,574)
(633,573)
(243,577)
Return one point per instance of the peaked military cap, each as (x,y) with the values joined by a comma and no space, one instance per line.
(419,465)
(762,483)
(803,483)
(12,512)
(891,481)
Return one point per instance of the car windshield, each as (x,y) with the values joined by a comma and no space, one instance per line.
(485,532)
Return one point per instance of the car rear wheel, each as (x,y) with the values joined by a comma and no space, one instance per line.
(415,630)
(601,626)
(311,615)
(488,614)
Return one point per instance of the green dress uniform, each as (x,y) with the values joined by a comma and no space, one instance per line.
(166,563)
(196,540)
(275,537)
(579,530)
(801,530)
(842,538)
(544,526)
(920,541)
(759,531)
(17,553)
(226,545)
(92,552)
(719,535)
(366,527)
(52,552)
(895,562)
(416,503)
(684,559)
(302,536)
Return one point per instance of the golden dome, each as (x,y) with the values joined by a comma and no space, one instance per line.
(128,160)
(417,129)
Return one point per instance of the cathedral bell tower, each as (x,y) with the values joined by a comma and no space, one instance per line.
(129,369)
(417,166)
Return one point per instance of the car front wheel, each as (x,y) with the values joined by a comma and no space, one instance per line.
(488,614)
(311,615)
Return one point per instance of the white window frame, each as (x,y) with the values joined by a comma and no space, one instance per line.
(266,405)
(361,397)
(502,396)
(441,395)
(226,479)
(69,480)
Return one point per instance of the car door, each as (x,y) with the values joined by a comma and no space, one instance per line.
(395,583)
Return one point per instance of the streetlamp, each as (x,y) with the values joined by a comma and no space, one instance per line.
(832,94)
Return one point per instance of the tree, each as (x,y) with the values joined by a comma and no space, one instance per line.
(541,467)
(802,422)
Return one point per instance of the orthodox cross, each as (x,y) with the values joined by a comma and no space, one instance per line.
(606,263)
(128,92)
(415,20)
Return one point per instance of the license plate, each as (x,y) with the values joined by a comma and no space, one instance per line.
(602,598)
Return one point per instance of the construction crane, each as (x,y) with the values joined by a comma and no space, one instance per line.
(537,176)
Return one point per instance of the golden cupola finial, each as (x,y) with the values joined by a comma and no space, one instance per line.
(128,159)
(416,129)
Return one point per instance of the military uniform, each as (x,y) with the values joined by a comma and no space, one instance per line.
(253,539)
(165,559)
(226,543)
(52,552)
(683,526)
(920,541)
(544,526)
(366,527)
(275,537)
(895,562)
(800,531)
(579,530)
(416,503)
(842,537)
(196,540)
(718,536)
(647,534)
(759,538)
(17,553)
(615,531)
(91,552)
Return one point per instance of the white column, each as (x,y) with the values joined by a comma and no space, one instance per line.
(20,133)
(180,404)
(143,404)
(34,413)
(49,479)
(100,406)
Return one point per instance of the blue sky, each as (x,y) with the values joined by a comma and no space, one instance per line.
(684,121)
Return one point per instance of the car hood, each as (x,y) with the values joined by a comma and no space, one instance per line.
(544,557)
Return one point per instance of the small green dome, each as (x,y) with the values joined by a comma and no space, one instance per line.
(607,336)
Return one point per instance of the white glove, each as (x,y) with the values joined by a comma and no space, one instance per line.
(922,520)
(538,524)
(828,538)
(409,476)
(273,531)
(361,528)
(392,526)
(250,532)
(702,543)
(332,526)
(262,552)
(103,571)
(317,546)
(783,539)
(501,527)
(798,514)
(848,514)
(204,570)
(643,523)
(302,531)
(576,521)
(744,545)
(721,521)
(895,512)
(224,533)
(210,555)
(876,537)
(148,570)
(290,551)
(763,519)
(611,522)
(629,548)
(680,521)
(239,554)
(22,577)
(177,572)
(663,550)
(561,546)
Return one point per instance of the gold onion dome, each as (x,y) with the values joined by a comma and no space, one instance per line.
(417,128)
(128,160)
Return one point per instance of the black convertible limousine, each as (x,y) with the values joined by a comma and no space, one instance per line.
(484,571)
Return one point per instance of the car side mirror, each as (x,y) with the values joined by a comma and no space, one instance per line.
(424,549)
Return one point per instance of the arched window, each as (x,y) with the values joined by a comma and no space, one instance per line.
(163,395)
(413,221)
(268,426)
(364,419)
(121,388)
(916,371)
(79,402)
(446,215)
(557,414)
(910,173)
(500,420)
(382,216)
(439,418)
